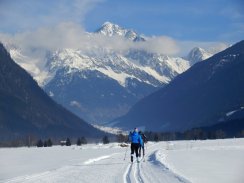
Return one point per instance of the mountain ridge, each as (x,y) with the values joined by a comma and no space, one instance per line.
(111,29)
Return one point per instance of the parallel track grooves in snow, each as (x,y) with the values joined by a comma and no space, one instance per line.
(126,175)
(139,173)
(144,172)
(152,170)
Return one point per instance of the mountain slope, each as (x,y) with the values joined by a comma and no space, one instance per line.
(199,97)
(231,128)
(26,109)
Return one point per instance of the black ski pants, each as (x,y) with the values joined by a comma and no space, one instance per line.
(134,148)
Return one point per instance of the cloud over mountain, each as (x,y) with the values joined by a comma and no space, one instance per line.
(72,35)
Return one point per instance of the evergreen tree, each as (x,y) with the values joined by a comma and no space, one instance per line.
(39,143)
(49,143)
(45,143)
(83,140)
(105,140)
(149,135)
(68,142)
(156,138)
(211,135)
(220,134)
(78,143)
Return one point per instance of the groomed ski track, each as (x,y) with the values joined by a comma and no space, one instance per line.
(110,168)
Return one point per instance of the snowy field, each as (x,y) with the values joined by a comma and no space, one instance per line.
(210,161)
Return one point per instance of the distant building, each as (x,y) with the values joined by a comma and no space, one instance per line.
(63,142)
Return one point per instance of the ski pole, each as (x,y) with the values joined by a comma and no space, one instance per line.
(126,152)
(144,148)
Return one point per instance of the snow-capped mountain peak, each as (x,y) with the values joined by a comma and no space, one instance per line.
(198,54)
(110,29)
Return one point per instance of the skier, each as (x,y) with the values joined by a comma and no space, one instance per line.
(144,140)
(136,141)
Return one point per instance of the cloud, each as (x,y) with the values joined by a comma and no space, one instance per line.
(212,47)
(38,26)
(63,35)
(57,24)
(72,35)
(161,45)
(19,16)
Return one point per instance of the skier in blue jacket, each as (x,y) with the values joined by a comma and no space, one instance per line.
(136,142)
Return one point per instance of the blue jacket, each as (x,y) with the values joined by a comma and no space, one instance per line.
(135,137)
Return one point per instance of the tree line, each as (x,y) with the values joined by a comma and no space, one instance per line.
(193,134)
(67,142)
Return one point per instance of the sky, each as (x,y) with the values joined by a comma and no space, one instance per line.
(185,23)
(195,20)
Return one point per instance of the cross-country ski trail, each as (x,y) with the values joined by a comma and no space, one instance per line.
(109,168)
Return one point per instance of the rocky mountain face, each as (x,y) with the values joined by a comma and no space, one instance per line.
(202,96)
(25,109)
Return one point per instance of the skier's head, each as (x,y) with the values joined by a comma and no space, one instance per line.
(136,130)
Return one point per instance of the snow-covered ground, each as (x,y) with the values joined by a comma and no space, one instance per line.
(209,161)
